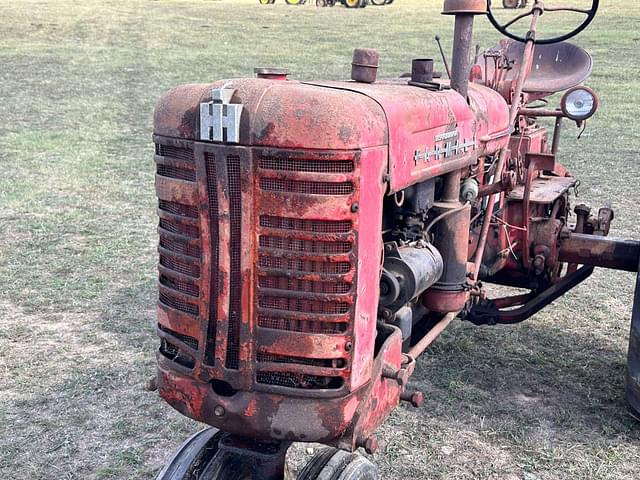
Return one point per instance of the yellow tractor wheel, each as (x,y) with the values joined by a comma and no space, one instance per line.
(267,2)
(295,2)
(353,3)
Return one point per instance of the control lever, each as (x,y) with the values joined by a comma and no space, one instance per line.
(444,58)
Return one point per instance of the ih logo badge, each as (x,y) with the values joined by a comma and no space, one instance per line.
(219,119)
(447,150)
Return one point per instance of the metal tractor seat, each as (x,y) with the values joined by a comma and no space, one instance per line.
(556,66)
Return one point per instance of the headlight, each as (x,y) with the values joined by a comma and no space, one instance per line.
(579,103)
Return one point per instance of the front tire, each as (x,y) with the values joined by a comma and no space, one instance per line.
(632,384)
(334,464)
(192,457)
(295,2)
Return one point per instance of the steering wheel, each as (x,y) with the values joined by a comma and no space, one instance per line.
(503,28)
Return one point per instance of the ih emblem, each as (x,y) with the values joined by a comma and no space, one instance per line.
(219,119)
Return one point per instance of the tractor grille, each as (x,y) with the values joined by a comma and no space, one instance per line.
(305,268)
(279,219)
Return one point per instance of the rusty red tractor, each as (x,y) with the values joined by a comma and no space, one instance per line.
(316,237)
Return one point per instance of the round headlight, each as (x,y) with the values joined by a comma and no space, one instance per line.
(579,103)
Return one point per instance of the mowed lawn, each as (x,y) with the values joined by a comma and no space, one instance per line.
(78,82)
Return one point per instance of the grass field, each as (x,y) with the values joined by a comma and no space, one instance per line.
(78,82)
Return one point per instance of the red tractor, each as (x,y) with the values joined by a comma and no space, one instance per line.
(316,237)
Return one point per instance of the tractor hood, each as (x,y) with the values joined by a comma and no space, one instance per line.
(428,132)
(283,114)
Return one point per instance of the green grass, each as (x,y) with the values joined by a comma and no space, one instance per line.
(78,82)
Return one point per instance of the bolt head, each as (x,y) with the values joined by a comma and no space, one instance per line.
(417,399)
(219,411)
(371,445)
(402,377)
(152,384)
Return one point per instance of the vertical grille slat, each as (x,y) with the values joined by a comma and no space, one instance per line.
(235,287)
(212,193)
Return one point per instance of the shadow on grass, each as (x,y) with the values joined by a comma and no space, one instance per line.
(528,384)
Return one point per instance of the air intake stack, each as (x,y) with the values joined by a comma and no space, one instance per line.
(464,10)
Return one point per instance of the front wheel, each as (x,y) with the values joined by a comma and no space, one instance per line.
(334,464)
(267,2)
(632,387)
(295,2)
(379,2)
(193,456)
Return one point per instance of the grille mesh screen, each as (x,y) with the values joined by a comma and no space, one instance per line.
(185,230)
(180,266)
(184,154)
(212,194)
(302,265)
(177,303)
(297,380)
(190,341)
(306,187)
(297,285)
(179,285)
(316,362)
(179,173)
(180,247)
(235,288)
(316,166)
(315,326)
(309,246)
(315,226)
(178,209)
(303,305)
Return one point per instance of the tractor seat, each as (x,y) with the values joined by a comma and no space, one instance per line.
(556,67)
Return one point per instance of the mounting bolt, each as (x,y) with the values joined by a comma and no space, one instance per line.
(152,384)
(401,376)
(414,398)
(582,209)
(538,263)
(354,207)
(370,445)
(219,411)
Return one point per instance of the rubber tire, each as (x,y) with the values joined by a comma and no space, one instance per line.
(295,2)
(510,3)
(334,464)
(267,2)
(378,2)
(196,452)
(226,466)
(632,383)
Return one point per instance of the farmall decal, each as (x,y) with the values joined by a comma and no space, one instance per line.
(445,150)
